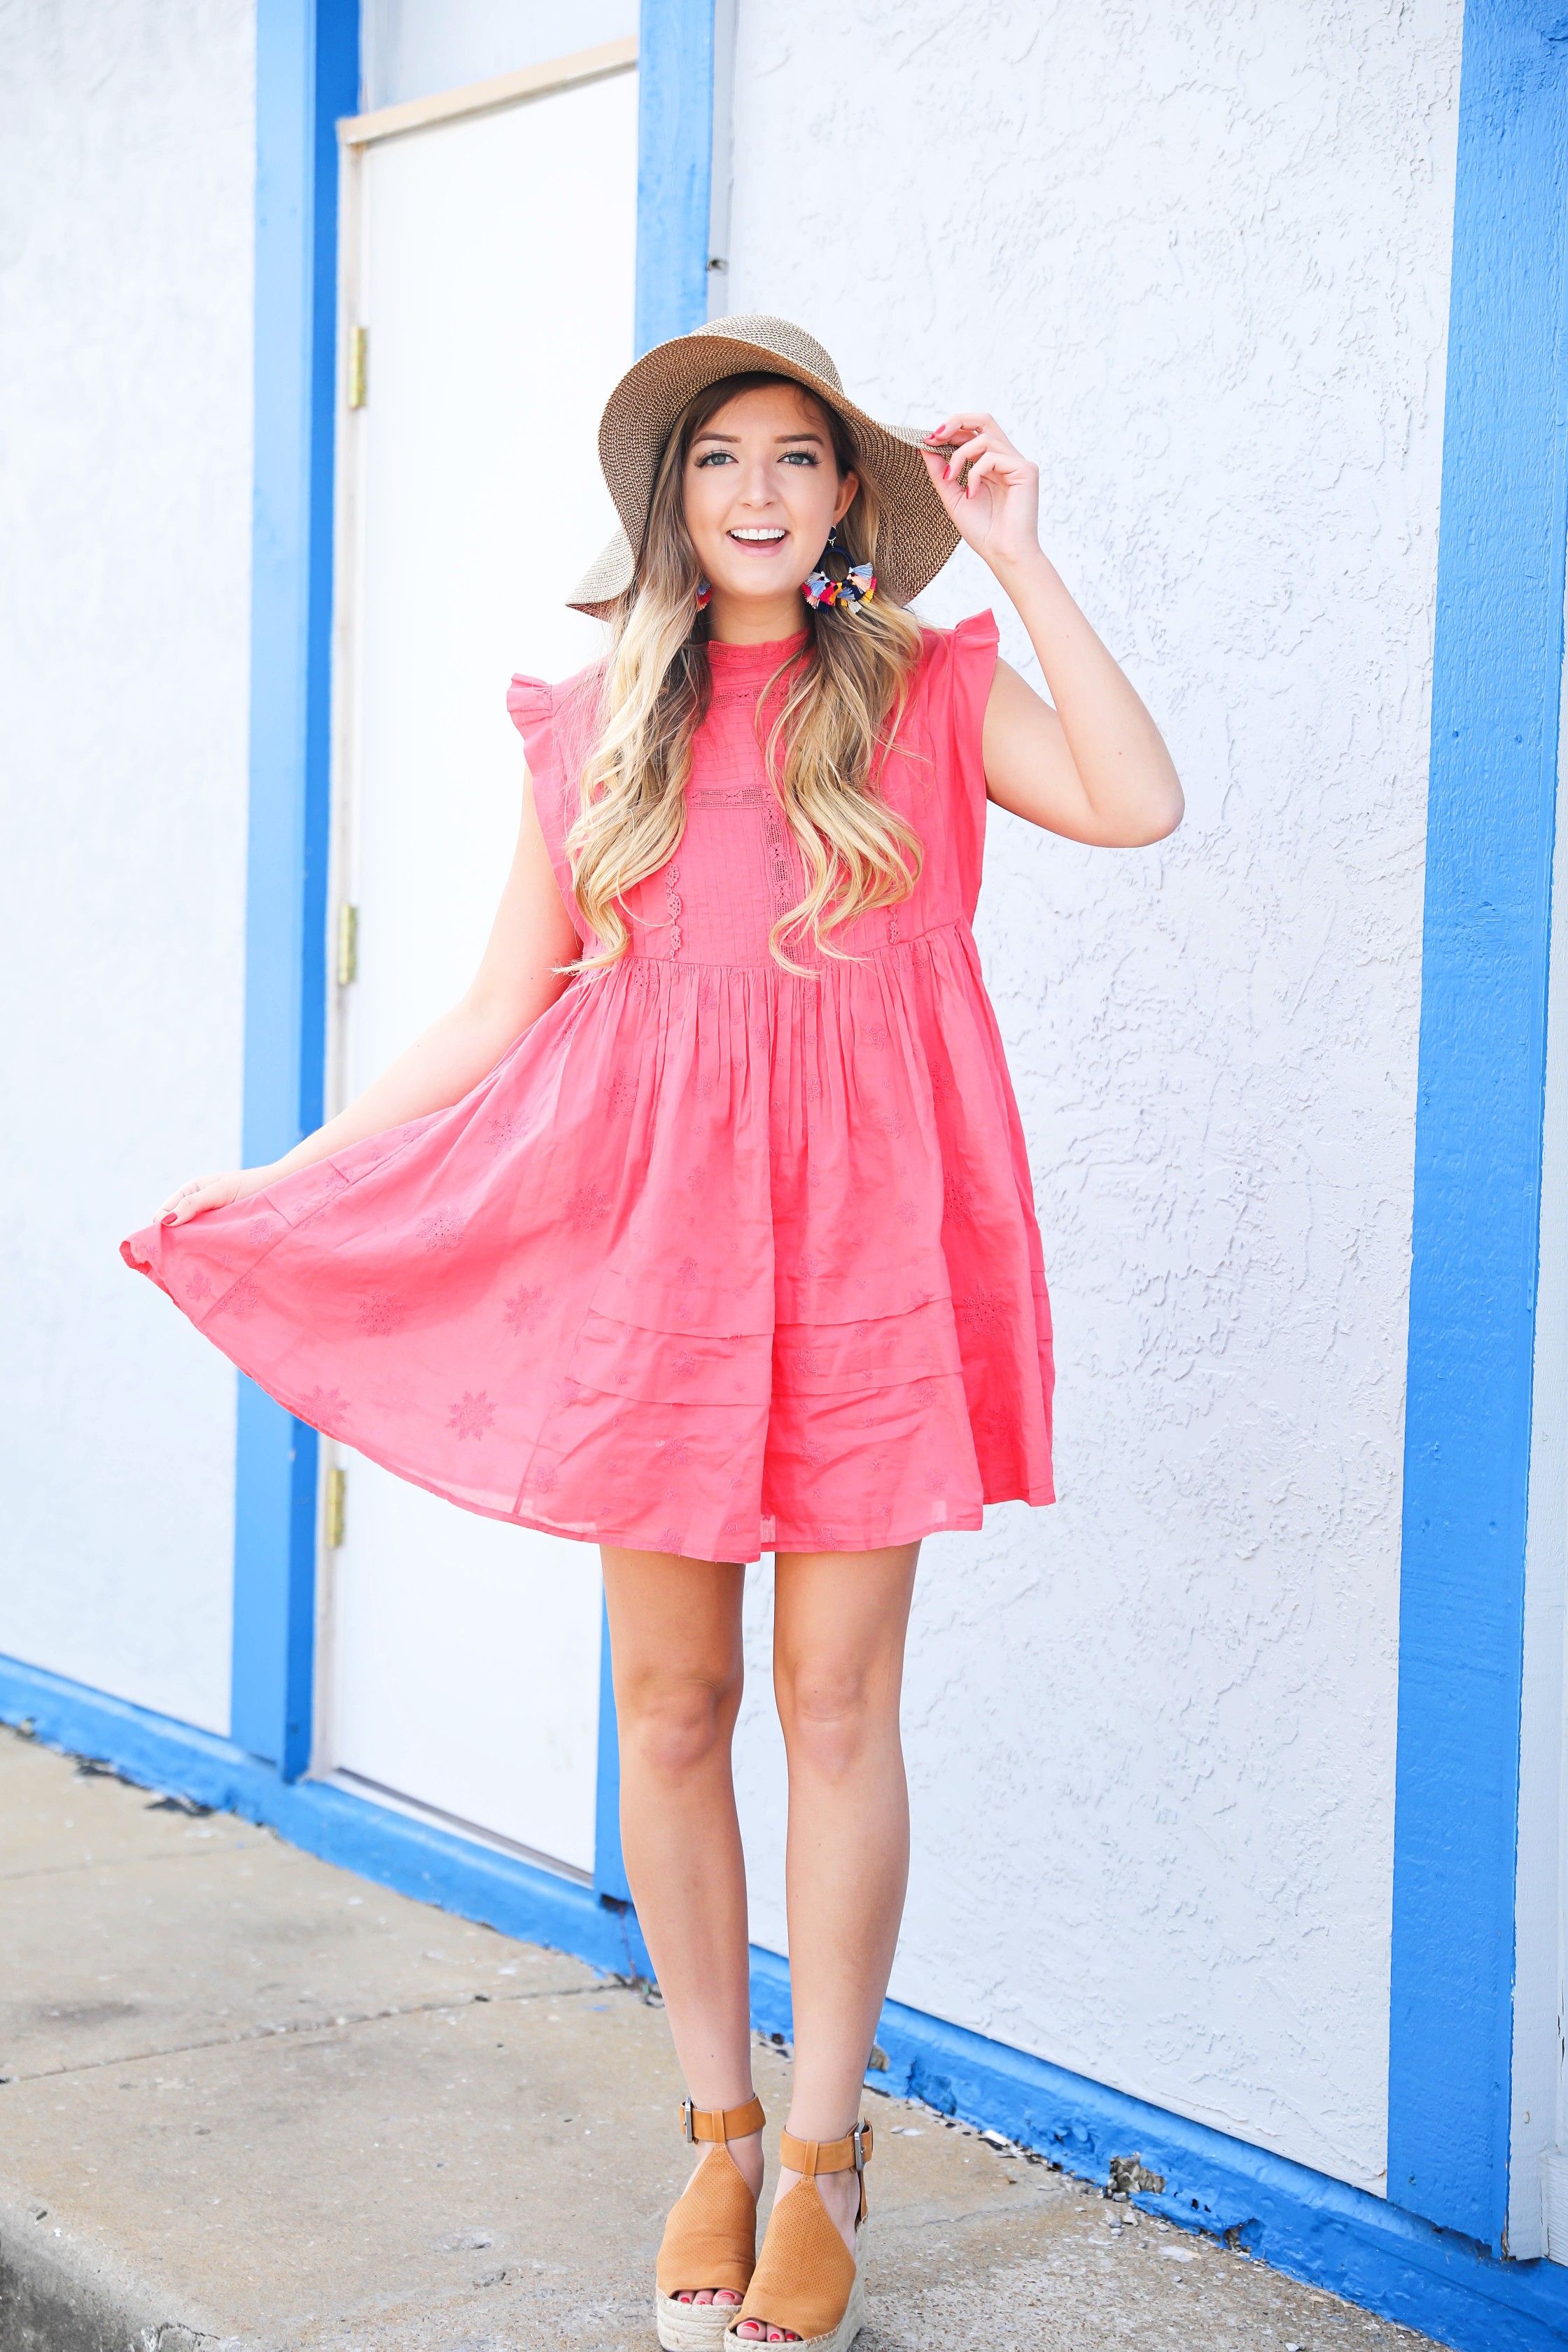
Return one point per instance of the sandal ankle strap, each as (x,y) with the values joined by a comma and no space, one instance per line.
(722,2122)
(810,2157)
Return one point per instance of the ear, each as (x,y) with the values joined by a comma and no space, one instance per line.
(848,490)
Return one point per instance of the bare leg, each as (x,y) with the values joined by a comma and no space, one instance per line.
(675,1644)
(840,1624)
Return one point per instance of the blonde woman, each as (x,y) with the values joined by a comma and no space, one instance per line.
(702,1226)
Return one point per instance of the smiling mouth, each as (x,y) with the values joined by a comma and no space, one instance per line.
(764,536)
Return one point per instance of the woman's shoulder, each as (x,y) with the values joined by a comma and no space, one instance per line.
(534,700)
(952,682)
(969,641)
(952,687)
(558,721)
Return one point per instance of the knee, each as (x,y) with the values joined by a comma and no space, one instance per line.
(833,1717)
(672,1724)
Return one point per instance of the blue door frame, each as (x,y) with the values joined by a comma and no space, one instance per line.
(307,76)
(1427,2255)
(1497,683)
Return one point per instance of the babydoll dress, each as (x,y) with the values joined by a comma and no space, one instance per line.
(718,1258)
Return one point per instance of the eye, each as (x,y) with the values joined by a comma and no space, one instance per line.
(716,458)
(801,458)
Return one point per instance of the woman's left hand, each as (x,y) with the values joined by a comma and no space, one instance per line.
(997,512)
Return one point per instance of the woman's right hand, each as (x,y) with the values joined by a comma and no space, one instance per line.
(214,1192)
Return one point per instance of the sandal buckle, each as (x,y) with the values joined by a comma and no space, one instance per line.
(687,2111)
(857,2138)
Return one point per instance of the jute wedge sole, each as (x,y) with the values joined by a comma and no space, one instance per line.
(710,2236)
(806,2279)
(692,2326)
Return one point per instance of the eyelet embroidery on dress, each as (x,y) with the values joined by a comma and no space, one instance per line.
(473,1415)
(380,1312)
(672,900)
(778,857)
(525,1308)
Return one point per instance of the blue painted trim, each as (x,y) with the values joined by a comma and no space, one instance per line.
(609,1866)
(1299,2221)
(1496,686)
(307,74)
(675,173)
(675,166)
(1302,2222)
(276,1462)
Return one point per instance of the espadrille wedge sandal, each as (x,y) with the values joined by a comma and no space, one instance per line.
(711,2237)
(806,2279)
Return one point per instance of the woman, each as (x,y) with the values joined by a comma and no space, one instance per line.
(702,1225)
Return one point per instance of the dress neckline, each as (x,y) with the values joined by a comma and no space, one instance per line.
(738,665)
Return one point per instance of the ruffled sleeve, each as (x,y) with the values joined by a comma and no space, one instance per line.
(531,703)
(962,664)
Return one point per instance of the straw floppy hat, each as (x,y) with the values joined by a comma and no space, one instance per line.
(916,537)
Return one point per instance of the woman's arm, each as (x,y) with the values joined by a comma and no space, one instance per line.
(516,981)
(1094,767)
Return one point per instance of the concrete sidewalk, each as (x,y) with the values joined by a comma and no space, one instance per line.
(246,2097)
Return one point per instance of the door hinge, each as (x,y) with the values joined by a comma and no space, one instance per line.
(348,944)
(359,362)
(337,1483)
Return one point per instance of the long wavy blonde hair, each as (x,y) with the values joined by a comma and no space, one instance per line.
(844,695)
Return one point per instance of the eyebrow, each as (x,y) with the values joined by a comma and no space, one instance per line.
(733,438)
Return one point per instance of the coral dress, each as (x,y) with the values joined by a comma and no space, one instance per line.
(717,1259)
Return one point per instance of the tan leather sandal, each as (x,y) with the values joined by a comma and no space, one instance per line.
(711,2237)
(806,2279)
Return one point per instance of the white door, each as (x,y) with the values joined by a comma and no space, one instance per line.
(490,260)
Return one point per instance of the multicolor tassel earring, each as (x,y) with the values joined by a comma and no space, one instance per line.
(703,592)
(857,587)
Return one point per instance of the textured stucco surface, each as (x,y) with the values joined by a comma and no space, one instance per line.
(125,407)
(1195,256)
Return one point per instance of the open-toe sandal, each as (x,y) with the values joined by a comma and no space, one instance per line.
(711,2237)
(806,2279)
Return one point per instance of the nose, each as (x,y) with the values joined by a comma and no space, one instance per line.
(756,487)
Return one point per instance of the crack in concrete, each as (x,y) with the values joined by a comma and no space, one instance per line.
(288,2027)
(110,1862)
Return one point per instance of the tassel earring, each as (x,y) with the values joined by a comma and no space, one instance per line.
(703,592)
(857,587)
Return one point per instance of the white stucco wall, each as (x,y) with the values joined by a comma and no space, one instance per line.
(125,402)
(1195,256)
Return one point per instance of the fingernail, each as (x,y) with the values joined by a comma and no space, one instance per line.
(168,1219)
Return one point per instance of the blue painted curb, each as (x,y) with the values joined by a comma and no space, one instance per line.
(1300,2221)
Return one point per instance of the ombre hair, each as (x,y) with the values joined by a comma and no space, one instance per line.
(843,698)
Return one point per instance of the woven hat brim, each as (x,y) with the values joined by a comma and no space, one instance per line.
(916,536)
